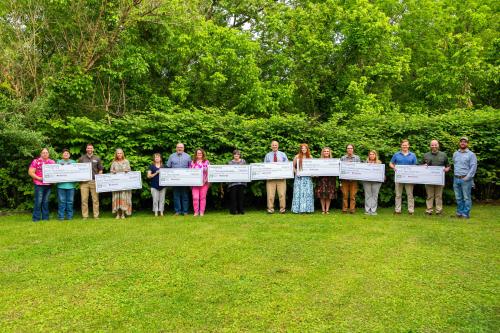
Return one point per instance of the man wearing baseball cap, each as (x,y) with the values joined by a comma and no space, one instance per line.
(465,165)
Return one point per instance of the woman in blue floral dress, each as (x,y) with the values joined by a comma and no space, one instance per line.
(303,195)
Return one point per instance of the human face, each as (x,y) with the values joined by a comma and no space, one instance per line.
(303,149)
(463,144)
(179,148)
(157,159)
(326,153)
(65,155)
(44,154)
(350,150)
(236,157)
(434,146)
(90,150)
(405,146)
(274,145)
(372,156)
(199,155)
(119,154)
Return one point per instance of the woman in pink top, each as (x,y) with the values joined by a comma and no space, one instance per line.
(42,190)
(200,192)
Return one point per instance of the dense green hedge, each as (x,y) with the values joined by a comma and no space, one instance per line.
(219,133)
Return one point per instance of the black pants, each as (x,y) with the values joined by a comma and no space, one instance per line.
(236,198)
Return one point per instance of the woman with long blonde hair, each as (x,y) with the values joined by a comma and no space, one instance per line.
(303,197)
(371,188)
(326,186)
(121,200)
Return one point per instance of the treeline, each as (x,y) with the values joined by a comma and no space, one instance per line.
(144,74)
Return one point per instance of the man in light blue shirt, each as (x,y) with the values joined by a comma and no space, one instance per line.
(403,157)
(465,166)
(273,185)
(180,159)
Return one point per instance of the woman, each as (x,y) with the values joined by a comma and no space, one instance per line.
(371,188)
(65,191)
(303,198)
(236,190)
(42,190)
(200,192)
(326,187)
(157,191)
(121,200)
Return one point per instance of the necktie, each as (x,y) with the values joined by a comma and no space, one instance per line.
(275,157)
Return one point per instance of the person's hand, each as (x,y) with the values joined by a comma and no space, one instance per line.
(446,169)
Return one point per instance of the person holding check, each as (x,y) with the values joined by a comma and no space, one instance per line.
(89,186)
(326,186)
(236,190)
(121,200)
(349,187)
(180,159)
(371,188)
(273,185)
(465,166)
(403,157)
(303,196)
(435,157)
(42,190)
(200,192)
(157,191)
(65,191)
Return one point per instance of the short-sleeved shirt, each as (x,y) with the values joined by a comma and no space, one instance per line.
(96,163)
(435,159)
(69,185)
(155,181)
(181,160)
(280,156)
(352,159)
(201,165)
(402,159)
(37,164)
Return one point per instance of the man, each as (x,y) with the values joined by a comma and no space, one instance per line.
(435,192)
(465,165)
(180,159)
(89,186)
(273,185)
(349,187)
(403,157)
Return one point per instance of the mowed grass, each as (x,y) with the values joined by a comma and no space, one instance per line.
(257,272)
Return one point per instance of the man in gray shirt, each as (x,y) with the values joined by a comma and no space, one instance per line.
(435,192)
(465,166)
(180,159)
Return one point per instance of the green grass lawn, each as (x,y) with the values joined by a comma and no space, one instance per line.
(257,272)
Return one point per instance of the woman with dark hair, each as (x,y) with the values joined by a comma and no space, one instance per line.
(42,190)
(303,197)
(65,191)
(236,190)
(121,200)
(200,192)
(157,191)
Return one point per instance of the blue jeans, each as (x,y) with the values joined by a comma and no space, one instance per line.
(463,191)
(65,198)
(42,193)
(181,199)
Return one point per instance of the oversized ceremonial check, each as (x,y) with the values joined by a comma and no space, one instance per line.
(58,173)
(419,174)
(181,177)
(320,167)
(275,170)
(230,173)
(120,181)
(362,171)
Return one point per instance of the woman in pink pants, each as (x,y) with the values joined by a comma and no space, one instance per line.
(200,192)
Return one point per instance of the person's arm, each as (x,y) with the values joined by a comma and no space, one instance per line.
(447,165)
(294,165)
(391,163)
(169,162)
(265,159)
(31,172)
(100,168)
(473,168)
(127,166)
(286,157)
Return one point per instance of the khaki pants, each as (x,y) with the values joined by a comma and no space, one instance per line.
(271,187)
(434,192)
(409,195)
(85,187)
(349,189)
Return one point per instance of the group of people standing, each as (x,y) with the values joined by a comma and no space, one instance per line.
(465,165)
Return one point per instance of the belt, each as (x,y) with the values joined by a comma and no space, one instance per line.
(460,177)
